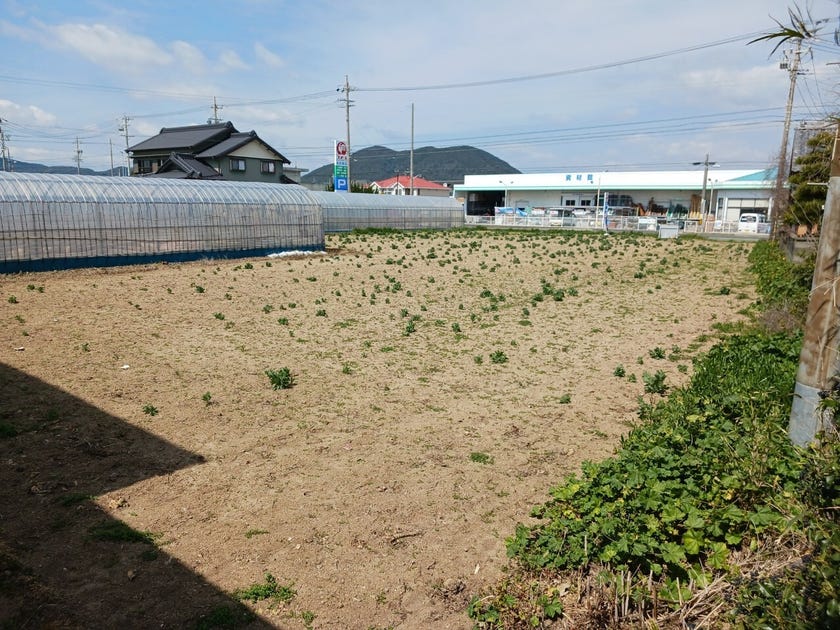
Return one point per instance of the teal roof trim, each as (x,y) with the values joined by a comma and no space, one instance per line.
(767,175)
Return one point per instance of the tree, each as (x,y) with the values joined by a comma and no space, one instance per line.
(356,187)
(802,28)
(809,184)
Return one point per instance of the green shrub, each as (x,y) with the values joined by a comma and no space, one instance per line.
(281,378)
(269,589)
(781,285)
(498,357)
(654,383)
(707,472)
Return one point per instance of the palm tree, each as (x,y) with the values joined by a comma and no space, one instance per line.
(802,27)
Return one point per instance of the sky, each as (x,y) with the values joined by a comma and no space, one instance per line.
(546,85)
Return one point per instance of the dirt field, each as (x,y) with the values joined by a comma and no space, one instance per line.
(442,384)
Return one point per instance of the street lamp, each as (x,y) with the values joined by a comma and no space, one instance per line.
(706,164)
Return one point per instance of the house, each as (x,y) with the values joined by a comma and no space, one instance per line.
(212,151)
(185,166)
(403,185)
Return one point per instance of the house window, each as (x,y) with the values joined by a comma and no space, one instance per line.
(267,168)
(147,166)
(237,164)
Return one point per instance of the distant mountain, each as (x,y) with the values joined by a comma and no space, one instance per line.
(444,165)
(32,167)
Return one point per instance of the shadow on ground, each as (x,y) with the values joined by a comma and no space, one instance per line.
(66,563)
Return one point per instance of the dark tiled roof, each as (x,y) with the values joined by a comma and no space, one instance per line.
(224,147)
(191,139)
(185,166)
(235,141)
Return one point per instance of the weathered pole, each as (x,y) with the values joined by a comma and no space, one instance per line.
(818,359)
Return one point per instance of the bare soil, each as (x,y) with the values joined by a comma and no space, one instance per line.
(443,384)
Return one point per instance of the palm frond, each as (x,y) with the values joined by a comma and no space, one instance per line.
(802,27)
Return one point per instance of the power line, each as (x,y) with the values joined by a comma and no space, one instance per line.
(560,73)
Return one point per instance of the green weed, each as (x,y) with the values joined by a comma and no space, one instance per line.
(269,589)
(481,458)
(498,357)
(117,531)
(281,378)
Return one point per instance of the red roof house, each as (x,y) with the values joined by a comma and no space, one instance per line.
(403,185)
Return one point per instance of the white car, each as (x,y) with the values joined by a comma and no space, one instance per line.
(750,222)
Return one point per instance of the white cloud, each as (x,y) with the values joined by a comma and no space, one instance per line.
(7,29)
(25,114)
(737,84)
(188,56)
(268,58)
(229,60)
(108,46)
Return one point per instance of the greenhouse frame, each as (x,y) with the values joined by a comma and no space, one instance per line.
(344,212)
(52,221)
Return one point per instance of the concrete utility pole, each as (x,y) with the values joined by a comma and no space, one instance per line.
(78,157)
(791,64)
(706,164)
(347,105)
(818,359)
(2,146)
(124,130)
(216,108)
(411,156)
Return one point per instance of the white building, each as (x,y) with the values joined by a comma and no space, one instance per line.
(677,194)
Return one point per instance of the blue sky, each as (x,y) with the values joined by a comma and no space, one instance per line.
(547,85)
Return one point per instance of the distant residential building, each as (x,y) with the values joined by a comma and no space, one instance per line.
(212,151)
(405,185)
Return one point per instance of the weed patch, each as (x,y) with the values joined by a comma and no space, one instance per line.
(281,378)
(117,531)
(269,589)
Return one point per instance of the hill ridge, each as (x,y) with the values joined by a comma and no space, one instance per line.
(445,165)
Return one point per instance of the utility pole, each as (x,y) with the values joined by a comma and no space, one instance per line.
(347,105)
(124,130)
(411,156)
(817,374)
(216,107)
(111,150)
(706,164)
(2,145)
(791,64)
(78,157)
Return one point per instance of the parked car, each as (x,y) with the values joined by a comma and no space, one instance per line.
(751,222)
(564,217)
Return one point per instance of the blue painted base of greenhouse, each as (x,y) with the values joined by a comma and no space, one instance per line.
(58,264)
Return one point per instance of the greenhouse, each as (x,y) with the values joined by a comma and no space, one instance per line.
(61,221)
(344,212)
